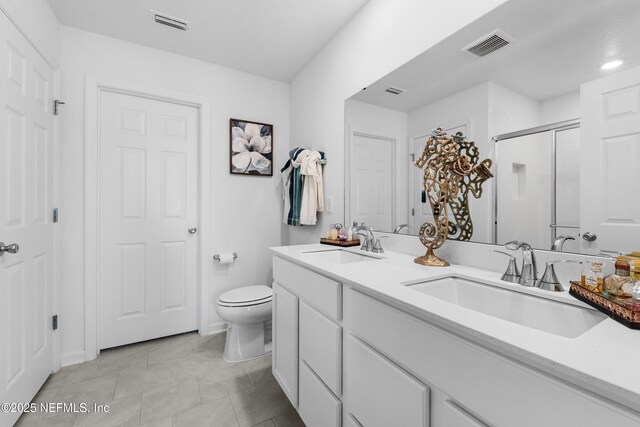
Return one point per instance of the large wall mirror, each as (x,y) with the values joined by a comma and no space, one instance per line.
(539,86)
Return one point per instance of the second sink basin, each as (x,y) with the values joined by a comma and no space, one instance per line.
(337,256)
(539,313)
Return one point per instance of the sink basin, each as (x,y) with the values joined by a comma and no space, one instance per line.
(539,313)
(338,256)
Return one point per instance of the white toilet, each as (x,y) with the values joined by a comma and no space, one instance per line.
(248,312)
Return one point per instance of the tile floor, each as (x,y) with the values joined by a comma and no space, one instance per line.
(170,382)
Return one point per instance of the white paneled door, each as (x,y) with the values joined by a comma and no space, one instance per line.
(371,181)
(148,209)
(610,163)
(26,197)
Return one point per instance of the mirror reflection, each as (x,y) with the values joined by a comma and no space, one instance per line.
(535,85)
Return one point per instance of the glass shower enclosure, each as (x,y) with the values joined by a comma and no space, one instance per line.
(537,186)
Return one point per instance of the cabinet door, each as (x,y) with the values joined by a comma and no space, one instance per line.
(320,346)
(379,393)
(318,406)
(285,341)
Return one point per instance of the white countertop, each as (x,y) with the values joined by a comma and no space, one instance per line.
(605,359)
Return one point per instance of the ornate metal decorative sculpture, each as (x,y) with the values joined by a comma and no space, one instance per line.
(452,171)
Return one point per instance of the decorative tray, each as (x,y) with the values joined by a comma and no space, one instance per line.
(619,313)
(336,242)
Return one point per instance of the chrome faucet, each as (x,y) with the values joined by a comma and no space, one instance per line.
(529,270)
(559,242)
(400,227)
(369,241)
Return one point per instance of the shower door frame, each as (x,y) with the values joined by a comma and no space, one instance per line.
(554,128)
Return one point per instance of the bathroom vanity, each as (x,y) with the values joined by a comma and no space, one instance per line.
(364,340)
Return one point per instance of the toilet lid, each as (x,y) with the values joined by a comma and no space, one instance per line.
(247,295)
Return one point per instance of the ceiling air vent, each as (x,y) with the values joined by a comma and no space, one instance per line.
(394,90)
(171,21)
(497,39)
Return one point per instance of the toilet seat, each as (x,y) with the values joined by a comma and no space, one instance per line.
(246,296)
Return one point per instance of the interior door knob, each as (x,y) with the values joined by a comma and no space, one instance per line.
(192,230)
(12,248)
(589,236)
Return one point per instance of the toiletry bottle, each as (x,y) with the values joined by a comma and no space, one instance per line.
(350,233)
(620,284)
(593,278)
(583,273)
(334,232)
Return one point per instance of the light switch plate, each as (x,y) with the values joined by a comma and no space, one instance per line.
(329,205)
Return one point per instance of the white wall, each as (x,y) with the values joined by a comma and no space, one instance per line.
(381,37)
(380,121)
(560,108)
(245,211)
(510,111)
(39,24)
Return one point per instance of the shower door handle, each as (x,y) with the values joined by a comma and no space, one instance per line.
(589,236)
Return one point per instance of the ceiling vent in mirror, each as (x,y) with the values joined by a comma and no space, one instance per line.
(394,90)
(171,21)
(489,43)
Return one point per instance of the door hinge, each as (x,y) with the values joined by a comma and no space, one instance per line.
(56,106)
(55,215)
(54,322)
(413,157)
(413,212)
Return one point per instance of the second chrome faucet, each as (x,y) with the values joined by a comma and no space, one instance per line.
(529,274)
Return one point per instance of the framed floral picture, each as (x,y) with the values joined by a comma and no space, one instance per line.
(251,148)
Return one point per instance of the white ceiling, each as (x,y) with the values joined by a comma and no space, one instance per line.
(558,46)
(270,38)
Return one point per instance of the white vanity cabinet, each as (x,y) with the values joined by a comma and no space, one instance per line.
(306,315)
(346,356)
(471,379)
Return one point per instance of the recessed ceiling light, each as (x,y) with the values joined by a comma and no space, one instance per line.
(611,65)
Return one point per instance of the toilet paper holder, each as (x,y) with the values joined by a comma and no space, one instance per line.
(216,257)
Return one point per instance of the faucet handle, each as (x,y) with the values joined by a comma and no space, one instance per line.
(377,247)
(549,280)
(365,242)
(511,274)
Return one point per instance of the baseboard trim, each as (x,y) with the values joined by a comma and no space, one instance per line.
(72,358)
(217,327)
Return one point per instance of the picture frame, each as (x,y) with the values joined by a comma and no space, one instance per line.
(250,148)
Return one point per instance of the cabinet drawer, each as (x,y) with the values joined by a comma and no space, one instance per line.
(320,345)
(319,291)
(318,406)
(378,393)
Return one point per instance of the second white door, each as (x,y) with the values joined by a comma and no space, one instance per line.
(372,187)
(148,217)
